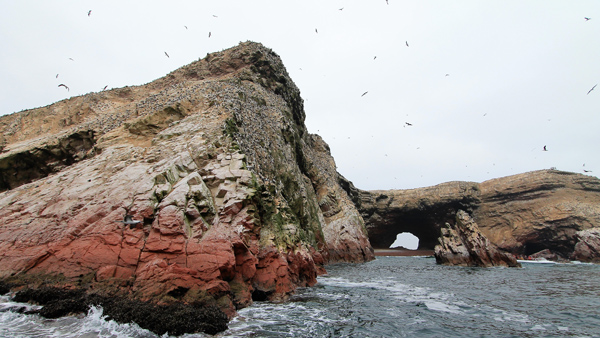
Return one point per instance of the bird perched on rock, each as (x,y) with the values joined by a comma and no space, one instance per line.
(128,220)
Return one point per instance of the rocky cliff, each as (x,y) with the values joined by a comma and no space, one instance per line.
(463,244)
(521,214)
(237,201)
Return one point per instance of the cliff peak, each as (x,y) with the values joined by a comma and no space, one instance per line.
(235,200)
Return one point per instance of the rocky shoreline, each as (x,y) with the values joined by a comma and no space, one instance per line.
(174,319)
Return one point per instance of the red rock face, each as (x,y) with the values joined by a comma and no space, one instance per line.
(225,188)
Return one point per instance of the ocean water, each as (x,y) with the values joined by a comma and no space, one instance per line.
(391,297)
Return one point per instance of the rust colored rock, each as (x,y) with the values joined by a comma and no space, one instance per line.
(463,244)
(234,198)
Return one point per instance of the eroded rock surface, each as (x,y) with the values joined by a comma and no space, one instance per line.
(463,244)
(522,214)
(587,248)
(237,200)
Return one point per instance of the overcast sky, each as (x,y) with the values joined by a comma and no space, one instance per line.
(485,85)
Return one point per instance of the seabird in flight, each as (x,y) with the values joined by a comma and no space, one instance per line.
(587,171)
(316,31)
(63,85)
(365,93)
(408,124)
(209,34)
(90,12)
(545,148)
(587,19)
(167,55)
(103,89)
(592,88)
(57,76)
(341,9)
(406,43)
(128,220)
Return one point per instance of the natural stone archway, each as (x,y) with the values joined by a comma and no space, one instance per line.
(521,214)
(388,213)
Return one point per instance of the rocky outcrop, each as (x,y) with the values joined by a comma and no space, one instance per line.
(587,248)
(522,214)
(463,244)
(236,199)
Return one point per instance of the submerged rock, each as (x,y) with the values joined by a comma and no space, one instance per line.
(463,244)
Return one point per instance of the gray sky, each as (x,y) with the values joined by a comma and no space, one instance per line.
(485,84)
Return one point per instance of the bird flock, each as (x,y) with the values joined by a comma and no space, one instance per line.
(64,85)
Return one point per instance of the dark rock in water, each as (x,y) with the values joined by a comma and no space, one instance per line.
(587,248)
(545,254)
(4,288)
(463,244)
(174,319)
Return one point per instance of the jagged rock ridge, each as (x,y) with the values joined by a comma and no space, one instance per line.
(237,199)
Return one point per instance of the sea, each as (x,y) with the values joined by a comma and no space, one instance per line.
(389,297)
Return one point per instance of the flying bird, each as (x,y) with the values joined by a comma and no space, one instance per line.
(545,148)
(587,19)
(406,43)
(386,1)
(128,220)
(90,12)
(63,85)
(185,26)
(408,124)
(587,171)
(214,16)
(167,55)
(375,57)
(57,76)
(316,31)
(103,89)
(592,89)
(365,93)
(209,34)
(71,59)
(341,9)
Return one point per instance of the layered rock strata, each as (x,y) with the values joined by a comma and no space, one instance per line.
(236,199)
(522,214)
(463,244)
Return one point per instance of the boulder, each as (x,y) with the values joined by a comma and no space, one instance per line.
(463,244)
(587,248)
